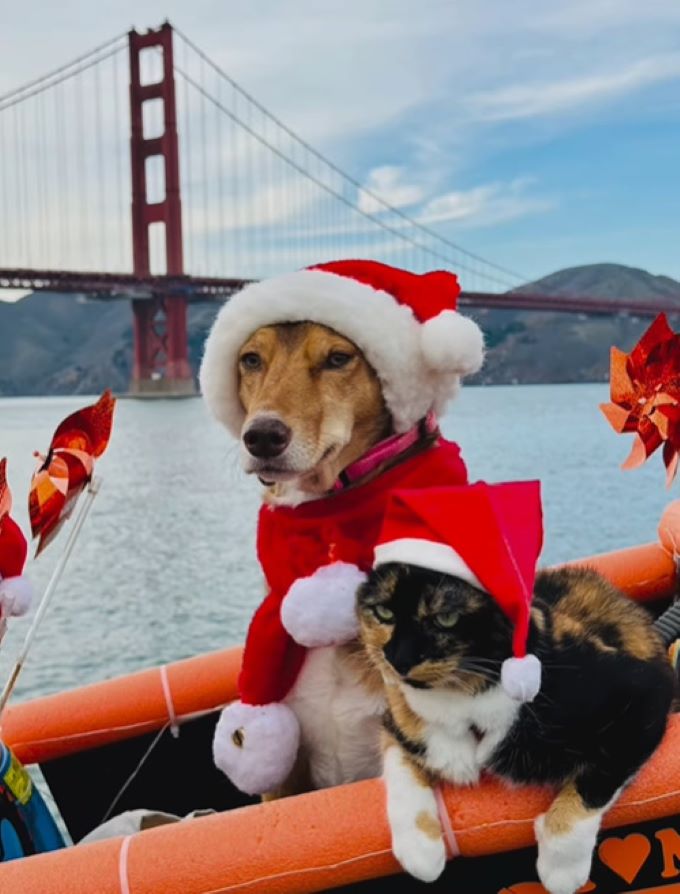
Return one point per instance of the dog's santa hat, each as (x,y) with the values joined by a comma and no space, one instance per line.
(489,535)
(405,323)
(15,589)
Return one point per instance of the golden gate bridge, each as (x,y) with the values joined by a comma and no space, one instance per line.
(141,171)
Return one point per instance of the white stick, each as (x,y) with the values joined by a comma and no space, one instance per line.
(92,491)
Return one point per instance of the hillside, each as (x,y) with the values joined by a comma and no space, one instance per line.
(63,344)
(533,347)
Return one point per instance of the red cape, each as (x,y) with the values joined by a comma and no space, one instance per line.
(293,542)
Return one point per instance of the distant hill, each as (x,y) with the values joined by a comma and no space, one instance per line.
(64,344)
(607,281)
(535,347)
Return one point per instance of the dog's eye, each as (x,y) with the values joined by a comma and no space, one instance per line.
(251,361)
(337,359)
(446,620)
(383,613)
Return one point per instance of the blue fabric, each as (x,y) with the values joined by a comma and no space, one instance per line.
(26,824)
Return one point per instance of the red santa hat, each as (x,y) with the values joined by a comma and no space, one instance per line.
(489,535)
(405,323)
(15,590)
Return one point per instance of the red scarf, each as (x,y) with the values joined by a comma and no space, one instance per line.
(294,542)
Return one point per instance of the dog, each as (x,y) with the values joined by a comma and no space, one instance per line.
(313,406)
(332,379)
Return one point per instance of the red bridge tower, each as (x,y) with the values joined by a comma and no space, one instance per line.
(161,363)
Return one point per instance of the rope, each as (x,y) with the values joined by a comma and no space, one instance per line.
(123,876)
(450,840)
(135,772)
(167,693)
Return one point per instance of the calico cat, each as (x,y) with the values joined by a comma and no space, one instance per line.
(440,642)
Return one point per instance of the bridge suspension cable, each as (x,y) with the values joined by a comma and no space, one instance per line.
(361,188)
(256,197)
(280,200)
(63,72)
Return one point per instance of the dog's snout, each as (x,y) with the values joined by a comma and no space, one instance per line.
(267,438)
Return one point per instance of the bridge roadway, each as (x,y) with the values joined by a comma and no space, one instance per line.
(127,286)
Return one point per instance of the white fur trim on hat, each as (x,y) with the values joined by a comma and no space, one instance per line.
(16,595)
(453,343)
(320,610)
(521,677)
(426,554)
(386,332)
(256,745)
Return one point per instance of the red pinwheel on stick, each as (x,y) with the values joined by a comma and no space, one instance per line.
(67,469)
(64,473)
(15,590)
(645,396)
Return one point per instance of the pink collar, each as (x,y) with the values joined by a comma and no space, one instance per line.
(388,449)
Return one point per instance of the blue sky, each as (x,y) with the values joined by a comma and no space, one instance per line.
(541,135)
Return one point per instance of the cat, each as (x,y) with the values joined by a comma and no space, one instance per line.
(439,643)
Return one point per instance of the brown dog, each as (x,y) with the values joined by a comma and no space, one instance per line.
(313,405)
(332,379)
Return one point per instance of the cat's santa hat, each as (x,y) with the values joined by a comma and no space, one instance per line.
(489,535)
(406,324)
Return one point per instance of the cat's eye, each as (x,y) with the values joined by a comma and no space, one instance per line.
(383,613)
(251,361)
(446,620)
(337,359)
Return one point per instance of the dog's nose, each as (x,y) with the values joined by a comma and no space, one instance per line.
(267,438)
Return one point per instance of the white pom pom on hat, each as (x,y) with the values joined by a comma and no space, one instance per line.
(320,610)
(255,746)
(406,324)
(489,535)
(16,595)
(16,592)
(452,343)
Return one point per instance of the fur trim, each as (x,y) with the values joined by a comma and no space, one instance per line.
(320,610)
(387,332)
(453,343)
(256,745)
(16,595)
(521,677)
(426,554)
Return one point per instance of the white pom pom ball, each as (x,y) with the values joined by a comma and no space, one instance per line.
(452,343)
(521,677)
(256,745)
(16,595)
(320,610)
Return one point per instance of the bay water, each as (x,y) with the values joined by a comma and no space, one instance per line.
(165,567)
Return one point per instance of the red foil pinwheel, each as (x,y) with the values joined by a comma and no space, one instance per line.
(67,469)
(645,396)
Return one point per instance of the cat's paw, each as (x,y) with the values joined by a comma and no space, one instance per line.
(421,853)
(564,861)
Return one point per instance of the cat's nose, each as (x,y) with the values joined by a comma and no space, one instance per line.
(401,654)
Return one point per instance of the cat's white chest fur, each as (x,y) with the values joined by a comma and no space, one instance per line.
(340,719)
(462,731)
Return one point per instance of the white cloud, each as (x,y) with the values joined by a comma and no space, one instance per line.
(530,100)
(387,183)
(421,85)
(485,205)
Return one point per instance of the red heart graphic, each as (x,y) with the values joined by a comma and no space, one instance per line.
(625,856)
